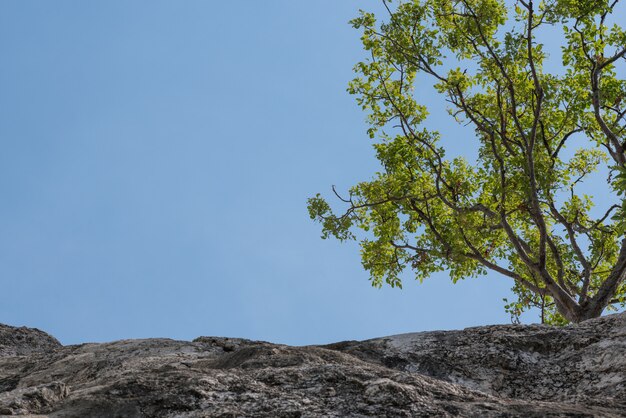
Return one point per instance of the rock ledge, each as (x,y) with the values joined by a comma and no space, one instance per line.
(493,371)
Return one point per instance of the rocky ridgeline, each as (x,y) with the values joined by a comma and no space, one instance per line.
(493,371)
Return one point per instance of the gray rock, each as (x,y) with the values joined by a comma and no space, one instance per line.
(495,371)
(585,363)
(25,341)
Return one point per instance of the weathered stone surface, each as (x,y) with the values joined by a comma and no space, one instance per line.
(496,371)
(24,341)
(585,363)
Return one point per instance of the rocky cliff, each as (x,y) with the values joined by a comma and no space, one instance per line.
(494,371)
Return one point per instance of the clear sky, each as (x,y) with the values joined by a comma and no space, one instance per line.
(155,161)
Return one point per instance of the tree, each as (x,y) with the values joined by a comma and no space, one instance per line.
(517,209)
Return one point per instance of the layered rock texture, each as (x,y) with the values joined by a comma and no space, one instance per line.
(494,371)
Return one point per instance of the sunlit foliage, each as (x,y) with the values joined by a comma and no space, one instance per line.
(516,210)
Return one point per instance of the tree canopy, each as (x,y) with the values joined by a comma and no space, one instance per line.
(517,209)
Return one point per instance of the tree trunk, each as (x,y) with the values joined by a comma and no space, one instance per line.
(593,307)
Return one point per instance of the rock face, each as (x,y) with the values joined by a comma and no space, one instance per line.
(494,371)
(25,341)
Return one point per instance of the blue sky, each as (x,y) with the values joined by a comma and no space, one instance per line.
(156,157)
